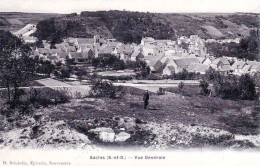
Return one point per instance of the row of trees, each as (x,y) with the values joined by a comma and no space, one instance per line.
(247,48)
(108,60)
(229,87)
(115,63)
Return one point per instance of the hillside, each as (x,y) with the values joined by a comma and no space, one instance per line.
(14,21)
(130,27)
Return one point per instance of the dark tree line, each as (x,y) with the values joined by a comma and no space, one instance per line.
(126,27)
(108,60)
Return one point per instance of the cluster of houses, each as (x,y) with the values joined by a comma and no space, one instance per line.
(25,33)
(165,57)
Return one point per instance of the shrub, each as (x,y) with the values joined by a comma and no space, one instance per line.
(236,88)
(204,87)
(46,96)
(104,89)
(247,87)
(161,91)
(181,86)
(184,75)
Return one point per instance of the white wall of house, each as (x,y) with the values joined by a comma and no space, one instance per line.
(148,51)
(167,71)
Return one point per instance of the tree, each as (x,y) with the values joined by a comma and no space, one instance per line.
(204,85)
(81,73)
(104,89)
(247,87)
(15,69)
(39,44)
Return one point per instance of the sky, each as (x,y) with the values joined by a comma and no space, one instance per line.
(160,6)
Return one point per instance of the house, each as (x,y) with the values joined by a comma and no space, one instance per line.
(255,69)
(207,61)
(42,51)
(82,48)
(219,63)
(124,52)
(105,50)
(168,70)
(70,48)
(225,69)
(90,53)
(80,56)
(54,52)
(162,42)
(164,60)
(246,69)
(63,56)
(71,41)
(125,57)
(201,59)
(185,55)
(198,68)
(238,66)
(114,44)
(255,66)
(169,53)
(84,41)
(148,41)
(111,40)
(158,66)
(180,64)
(53,59)
(137,55)
(30,39)
(151,63)
(158,51)
(148,50)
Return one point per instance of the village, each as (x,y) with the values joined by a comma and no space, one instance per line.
(86,92)
(164,57)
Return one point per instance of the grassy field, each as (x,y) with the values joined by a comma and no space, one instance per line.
(178,119)
(189,110)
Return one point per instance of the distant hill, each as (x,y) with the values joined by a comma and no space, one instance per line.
(132,26)
(14,21)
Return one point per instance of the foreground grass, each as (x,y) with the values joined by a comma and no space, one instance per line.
(172,120)
(239,117)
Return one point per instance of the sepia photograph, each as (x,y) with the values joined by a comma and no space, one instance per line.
(129,82)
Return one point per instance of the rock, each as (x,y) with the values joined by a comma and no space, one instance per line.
(107,136)
(35,129)
(122,136)
(104,134)
(10,120)
(100,129)
(37,117)
(23,137)
(139,121)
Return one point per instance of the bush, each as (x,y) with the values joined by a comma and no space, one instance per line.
(161,91)
(184,75)
(181,86)
(105,89)
(247,88)
(46,96)
(236,88)
(204,85)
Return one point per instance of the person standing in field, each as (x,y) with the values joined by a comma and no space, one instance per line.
(146,99)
